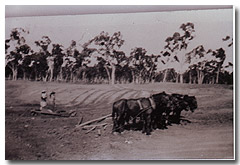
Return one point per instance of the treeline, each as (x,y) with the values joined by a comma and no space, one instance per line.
(101,60)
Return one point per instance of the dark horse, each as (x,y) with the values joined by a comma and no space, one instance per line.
(125,109)
(164,107)
(180,103)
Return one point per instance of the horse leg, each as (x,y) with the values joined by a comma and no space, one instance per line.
(148,124)
(163,121)
(134,126)
(121,123)
(168,122)
(144,124)
(115,126)
(114,119)
(154,121)
(178,113)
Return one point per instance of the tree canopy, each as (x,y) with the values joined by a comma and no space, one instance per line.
(101,60)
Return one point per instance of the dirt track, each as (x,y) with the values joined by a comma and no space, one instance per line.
(208,136)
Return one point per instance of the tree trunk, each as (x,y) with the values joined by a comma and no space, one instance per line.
(177,78)
(108,73)
(113,73)
(152,76)
(200,77)
(82,73)
(71,75)
(51,74)
(84,77)
(217,77)
(15,73)
(213,80)
(190,77)
(181,78)
(140,77)
(45,78)
(9,77)
(200,80)
(194,80)
(61,74)
(133,77)
(137,79)
(35,74)
(165,75)
(24,75)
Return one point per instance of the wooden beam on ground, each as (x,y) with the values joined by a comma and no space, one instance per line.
(93,128)
(98,125)
(45,112)
(105,127)
(80,121)
(94,120)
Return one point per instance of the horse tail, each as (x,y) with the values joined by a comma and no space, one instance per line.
(114,112)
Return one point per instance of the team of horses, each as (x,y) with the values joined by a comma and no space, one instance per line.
(157,111)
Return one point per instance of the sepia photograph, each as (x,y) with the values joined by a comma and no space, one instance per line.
(119,82)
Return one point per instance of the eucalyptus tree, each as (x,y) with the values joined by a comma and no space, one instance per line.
(206,63)
(57,54)
(136,63)
(43,44)
(15,50)
(229,41)
(73,51)
(67,68)
(150,67)
(166,64)
(220,56)
(177,45)
(142,66)
(197,60)
(202,62)
(108,51)
(45,58)
(88,60)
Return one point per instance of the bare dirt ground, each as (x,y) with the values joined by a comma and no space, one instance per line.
(209,135)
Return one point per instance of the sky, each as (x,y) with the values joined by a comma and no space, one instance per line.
(46,10)
(147,29)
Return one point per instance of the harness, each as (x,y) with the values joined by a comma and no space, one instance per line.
(153,106)
(140,104)
(152,102)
